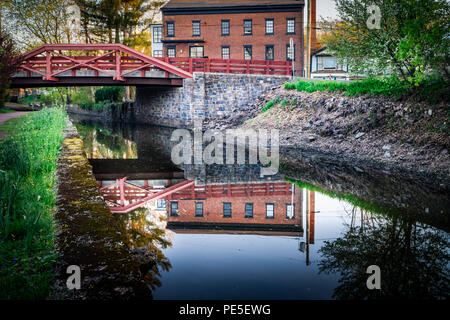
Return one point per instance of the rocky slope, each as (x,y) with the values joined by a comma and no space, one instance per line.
(408,134)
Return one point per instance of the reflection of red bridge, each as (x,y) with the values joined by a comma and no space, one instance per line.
(124,197)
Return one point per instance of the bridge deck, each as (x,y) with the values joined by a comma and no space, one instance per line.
(117,65)
(94,64)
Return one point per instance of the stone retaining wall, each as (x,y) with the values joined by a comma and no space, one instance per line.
(206,96)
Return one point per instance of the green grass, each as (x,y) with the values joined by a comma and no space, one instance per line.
(6,110)
(270,104)
(433,89)
(28,160)
(387,87)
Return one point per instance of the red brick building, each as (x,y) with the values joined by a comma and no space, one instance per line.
(268,205)
(235,29)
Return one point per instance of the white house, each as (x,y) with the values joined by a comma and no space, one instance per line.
(157,45)
(325,66)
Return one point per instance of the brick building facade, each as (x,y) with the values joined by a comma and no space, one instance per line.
(241,30)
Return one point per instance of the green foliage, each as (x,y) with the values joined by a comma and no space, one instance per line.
(109,94)
(269,105)
(387,87)
(28,160)
(82,98)
(56,97)
(29,99)
(433,89)
(8,63)
(413,39)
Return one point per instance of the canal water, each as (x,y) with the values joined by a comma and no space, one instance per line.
(237,235)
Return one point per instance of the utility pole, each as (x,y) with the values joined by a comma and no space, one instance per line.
(308,40)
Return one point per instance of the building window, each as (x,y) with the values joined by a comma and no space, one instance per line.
(161,204)
(270,52)
(174,209)
(170,28)
(327,63)
(248,52)
(290,54)
(157,53)
(249,210)
(199,209)
(196,52)
(225,27)
(157,34)
(290,26)
(171,51)
(290,211)
(269,26)
(330,63)
(270,210)
(225,52)
(227,209)
(196,28)
(248,27)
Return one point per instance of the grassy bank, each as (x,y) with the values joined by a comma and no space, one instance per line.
(28,160)
(433,89)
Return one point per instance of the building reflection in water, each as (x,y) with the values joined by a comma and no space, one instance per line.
(269,208)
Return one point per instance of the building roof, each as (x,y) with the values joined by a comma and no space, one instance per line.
(178,4)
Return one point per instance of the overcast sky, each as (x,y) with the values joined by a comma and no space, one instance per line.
(325,8)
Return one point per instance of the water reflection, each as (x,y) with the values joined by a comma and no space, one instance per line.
(147,238)
(223,232)
(101,143)
(413,258)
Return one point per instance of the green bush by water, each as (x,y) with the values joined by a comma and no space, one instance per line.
(28,160)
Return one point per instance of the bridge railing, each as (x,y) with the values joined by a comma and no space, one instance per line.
(267,67)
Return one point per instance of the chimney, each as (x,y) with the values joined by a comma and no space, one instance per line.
(313,26)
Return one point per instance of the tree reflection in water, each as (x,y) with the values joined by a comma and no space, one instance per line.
(146,240)
(413,258)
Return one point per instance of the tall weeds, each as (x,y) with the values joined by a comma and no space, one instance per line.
(28,160)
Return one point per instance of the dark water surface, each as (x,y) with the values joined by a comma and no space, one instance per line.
(321,252)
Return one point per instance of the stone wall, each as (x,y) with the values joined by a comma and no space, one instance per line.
(206,96)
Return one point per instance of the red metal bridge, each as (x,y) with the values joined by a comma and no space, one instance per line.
(94,64)
(115,64)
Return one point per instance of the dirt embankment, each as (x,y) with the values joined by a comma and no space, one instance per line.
(411,135)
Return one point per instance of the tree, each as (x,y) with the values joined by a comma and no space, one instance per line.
(8,64)
(413,258)
(36,22)
(119,21)
(413,38)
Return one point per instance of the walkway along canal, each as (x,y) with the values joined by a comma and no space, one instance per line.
(308,233)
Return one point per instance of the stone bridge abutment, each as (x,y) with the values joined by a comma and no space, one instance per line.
(205,96)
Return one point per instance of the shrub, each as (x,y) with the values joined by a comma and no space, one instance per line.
(432,89)
(111,94)
(82,99)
